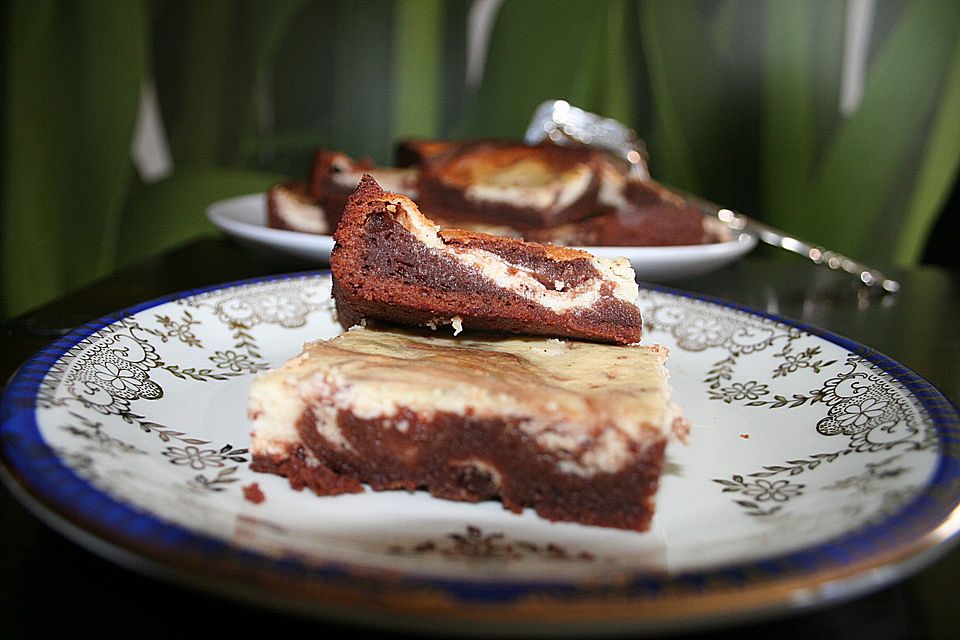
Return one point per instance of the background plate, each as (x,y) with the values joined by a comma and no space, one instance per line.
(244,219)
(817,469)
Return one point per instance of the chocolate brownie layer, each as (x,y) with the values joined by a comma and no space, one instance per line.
(466,459)
(651,225)
(300,467)
(573,430)
(391,263)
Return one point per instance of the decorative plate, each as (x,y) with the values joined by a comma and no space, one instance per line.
(817,469)
(244,219)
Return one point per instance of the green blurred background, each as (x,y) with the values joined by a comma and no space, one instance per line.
(737,100)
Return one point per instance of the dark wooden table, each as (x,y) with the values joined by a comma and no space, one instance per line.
(52,587)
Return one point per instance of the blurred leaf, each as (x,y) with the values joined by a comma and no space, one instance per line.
(288,140)
(674,48)
(541,50)
(937,171)
(417,47)
(73,79)
(702,60)
(271,22)
(616,94)
(356,77)
(855,195)
(197,138)
(798,93)
(167,213)
(361,85)
(220,73)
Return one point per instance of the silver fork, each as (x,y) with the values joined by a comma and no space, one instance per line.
(561,122)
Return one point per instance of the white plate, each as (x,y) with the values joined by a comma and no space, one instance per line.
(244,219)
(817,470)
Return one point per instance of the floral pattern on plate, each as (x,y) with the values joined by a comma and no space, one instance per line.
(800,442)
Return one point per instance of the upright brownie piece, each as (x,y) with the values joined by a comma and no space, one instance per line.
(334,176)
(392,263)
(316,206)
(574,430)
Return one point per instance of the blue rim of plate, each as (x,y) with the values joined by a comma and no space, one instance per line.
(37,469)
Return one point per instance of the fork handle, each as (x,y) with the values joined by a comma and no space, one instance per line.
(777,237)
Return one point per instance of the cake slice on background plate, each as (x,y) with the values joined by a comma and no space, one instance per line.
(505,183)
(290,207)
(543,193)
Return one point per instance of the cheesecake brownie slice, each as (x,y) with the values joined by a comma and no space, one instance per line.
(290,207)
(574,430)
(511,184)
(524,187)
(392,263)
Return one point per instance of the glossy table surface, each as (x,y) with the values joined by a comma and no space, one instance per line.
(53,586)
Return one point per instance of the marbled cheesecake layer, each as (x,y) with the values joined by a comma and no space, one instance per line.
(575,430)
